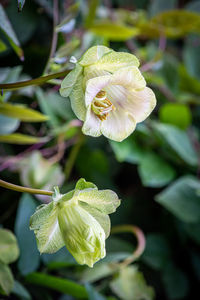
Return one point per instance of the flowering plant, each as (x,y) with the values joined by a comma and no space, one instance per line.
(108,93)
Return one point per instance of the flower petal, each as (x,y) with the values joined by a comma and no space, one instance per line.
(118,125)
(92,124)
(129,77)
(141,103)
(94,85)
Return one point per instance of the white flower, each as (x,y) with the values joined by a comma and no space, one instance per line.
(108,92)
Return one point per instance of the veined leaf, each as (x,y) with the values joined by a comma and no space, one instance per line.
(6,279)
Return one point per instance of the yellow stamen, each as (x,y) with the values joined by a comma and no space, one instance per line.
(102,106)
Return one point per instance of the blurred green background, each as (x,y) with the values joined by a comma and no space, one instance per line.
(155,171)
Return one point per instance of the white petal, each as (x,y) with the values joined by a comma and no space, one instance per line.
(92,124)
(94,85)
(141,103)
(129,77)
(118,125)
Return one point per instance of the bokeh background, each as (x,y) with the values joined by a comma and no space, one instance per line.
(155,171)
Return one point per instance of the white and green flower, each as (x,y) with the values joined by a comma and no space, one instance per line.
(79,220)
(108,93)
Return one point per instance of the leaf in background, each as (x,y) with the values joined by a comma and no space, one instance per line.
(157,251)
(92,7)
(176,114)
(175,282)
(20,4)
(92,294)
(154,171)
(61,256)
(8,125)
(3,46)
(158,6)
(113,31)
(29,255)
(182,199)
(179,141)
(21,112)
(58,284)
(128,150)
(191,55)
(21,139)
(9,250)
(6,279)
(7,29)
(20,291)
(131,285)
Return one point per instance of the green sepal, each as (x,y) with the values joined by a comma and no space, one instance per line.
(44,222)
(83,184)
(93,54)
(70,80)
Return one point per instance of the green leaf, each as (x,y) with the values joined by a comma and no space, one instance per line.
(29,255)
(130,285)
(20,291)
(69,81)
(82,184)
(21,112)
(157,251)
(154,171)
(176,114)
(190,55)
(58,284)
(182,199)
(20,4)
(9,250)
(175,282)
(92,294)
(44,222)
(8,125)
(106,201)
(113,31)
(6,279)
(2,46)
(21,139)
(7,29)
(179,141)
(128,150)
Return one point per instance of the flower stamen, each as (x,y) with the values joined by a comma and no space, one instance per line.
(102,106)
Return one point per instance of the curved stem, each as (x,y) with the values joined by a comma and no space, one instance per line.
(36,81)
(23,189)
(140,240)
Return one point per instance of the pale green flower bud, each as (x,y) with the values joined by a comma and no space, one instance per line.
(79,220)
(108,93)
(83,235)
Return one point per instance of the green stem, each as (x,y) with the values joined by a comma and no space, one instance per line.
(23,189)
(140,240)
(36,81)
(72,157)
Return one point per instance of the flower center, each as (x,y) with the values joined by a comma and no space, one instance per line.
(102,106)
